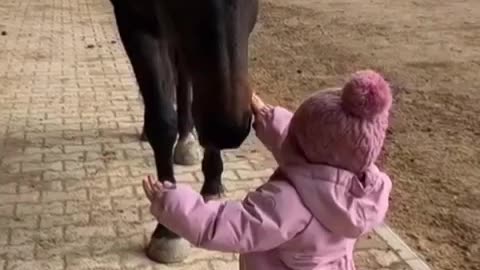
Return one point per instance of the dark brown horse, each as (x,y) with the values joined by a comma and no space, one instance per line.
(198,51)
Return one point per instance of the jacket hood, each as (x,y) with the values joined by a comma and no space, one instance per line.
(338,199)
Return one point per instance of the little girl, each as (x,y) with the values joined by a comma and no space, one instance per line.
(325,193)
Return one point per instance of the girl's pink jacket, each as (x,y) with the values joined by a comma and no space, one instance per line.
(307,216)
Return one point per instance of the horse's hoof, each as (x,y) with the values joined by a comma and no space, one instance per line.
(187,151)
(168,250)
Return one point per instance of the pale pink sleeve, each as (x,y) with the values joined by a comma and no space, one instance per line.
(271,127)
(266,218)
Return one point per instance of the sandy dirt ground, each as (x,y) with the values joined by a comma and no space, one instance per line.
(430,52)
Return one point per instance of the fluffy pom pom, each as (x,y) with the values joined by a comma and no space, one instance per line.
(366,95)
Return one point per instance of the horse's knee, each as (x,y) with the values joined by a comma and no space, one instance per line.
(161,131)
(160,126)
(160,135)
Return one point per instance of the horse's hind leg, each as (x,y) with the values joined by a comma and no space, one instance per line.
(187,151)
(151,63)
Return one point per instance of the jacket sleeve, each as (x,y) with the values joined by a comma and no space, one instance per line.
(271,127)
(265,219)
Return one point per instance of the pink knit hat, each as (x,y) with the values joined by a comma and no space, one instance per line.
(344,129)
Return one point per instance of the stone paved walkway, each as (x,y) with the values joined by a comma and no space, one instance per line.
(70,160)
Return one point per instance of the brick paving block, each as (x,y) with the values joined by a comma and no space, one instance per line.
(242,164)
(135,260)
(138,164)
(398,266)
(123,146)
(12,168)
(4,235)
(8,188)
(18,252)
(245,186)
(226,175)
(371,241)
(74,233)
(33,186)
(37,166)
(134,228)
(106,156)
(133,154)
(123,171)
(122,181)
(77,195)
(84,134)
(124,215)
(138,190)
(385,258)
(263,164)
(76,174)
(198,254)
(21,158)
(221,265)
(125,203)
(249,174)
(229,175)
(141,172)
(25,209)
(124,192)
(91,164)
(146,215)
(29,222)
(102,140)
(48,221)
(186,177)
(22,236)
(73,207)
(200,265)
(55,263)
(82,148)
(52,140)
(182,169)
(7,210)
(110,262)
(103,246)
(50,128)
(95,183)
(365,259)
(51,157)
(47,250)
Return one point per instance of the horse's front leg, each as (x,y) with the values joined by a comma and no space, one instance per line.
(212,168)
(152,65)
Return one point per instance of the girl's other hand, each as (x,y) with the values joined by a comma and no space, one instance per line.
(257,104)
(152,187)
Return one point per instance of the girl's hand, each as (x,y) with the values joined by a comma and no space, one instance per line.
(153,188)
(257,104)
